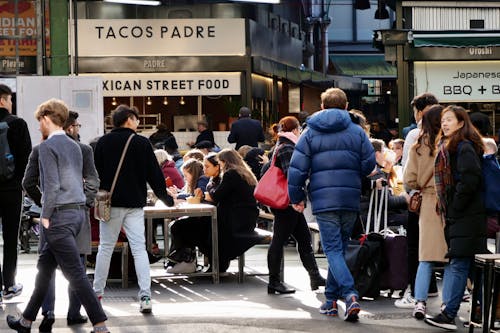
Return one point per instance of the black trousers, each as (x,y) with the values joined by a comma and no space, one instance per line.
(192,232)
(10,212)
(287,222)
(59,248)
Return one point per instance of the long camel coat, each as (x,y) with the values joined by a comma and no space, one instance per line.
(418,169)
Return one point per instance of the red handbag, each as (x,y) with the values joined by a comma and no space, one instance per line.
(272,188)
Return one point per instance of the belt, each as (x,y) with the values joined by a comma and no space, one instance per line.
(69,206)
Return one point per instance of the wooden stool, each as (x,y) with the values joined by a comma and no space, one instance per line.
(483,271)
(496,292)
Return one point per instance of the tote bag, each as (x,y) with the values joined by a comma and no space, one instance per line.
(272,188)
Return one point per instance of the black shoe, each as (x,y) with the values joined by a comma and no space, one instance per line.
(15,324)
(317,281)
(77,320)
(279,288)
(47,322)
(443,321)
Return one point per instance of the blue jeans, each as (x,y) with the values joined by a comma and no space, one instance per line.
(454,282)
(335,230)
(132,220)
(423,280)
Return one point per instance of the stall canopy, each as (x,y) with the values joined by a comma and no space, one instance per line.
(456,39)
(362,65)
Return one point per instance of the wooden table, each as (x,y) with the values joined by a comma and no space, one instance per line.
(162,211)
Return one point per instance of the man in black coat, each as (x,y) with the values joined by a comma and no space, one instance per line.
(246,131)
(11,196)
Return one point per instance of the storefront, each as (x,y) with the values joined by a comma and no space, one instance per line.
(463,82)
(451,49)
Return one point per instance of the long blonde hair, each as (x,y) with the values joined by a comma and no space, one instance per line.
(233,161)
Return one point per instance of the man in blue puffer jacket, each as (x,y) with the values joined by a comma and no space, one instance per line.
(334,154)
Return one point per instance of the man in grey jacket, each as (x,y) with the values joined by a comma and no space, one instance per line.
(62,217)
(90,180)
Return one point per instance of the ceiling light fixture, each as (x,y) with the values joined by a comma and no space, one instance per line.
(114,102)
(182,101)
(165,100)
(149,102)
(136,2)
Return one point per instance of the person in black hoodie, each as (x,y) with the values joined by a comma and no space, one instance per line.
(11,193)
(129,197)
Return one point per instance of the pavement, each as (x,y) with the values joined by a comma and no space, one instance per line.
(186,305)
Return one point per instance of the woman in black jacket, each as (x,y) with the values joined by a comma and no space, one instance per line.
(236,207)
(288,222)
(458,178)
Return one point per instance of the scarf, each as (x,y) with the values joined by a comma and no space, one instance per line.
(290,136)
(443,179)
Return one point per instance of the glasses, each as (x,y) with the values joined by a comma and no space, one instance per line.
(77,125)
(137,121)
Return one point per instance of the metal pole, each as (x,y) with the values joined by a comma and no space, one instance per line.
(40,44)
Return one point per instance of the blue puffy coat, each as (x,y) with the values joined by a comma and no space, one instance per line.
(334,153)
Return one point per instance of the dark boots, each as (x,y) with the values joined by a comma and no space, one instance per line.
(278,287)
(275,285)
(309,262)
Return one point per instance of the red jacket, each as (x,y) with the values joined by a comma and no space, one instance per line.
(169,170)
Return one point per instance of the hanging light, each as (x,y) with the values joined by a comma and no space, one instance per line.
(114,102)
(182,101)
(381,13)
(165,100)
(149,102)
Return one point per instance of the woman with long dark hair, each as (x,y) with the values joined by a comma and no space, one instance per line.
(458,178)
(288,222)
(419,175)
(236,207)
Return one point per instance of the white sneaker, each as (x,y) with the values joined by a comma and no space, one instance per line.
(396,293)
(407,302)
(182,268)
(146,306)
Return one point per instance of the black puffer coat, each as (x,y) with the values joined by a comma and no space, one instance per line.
(465,229)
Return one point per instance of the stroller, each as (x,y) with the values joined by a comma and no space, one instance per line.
(29,231)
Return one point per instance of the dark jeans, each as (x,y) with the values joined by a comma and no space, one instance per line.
(50,298)
(10,212)
(287,222)
(59,248)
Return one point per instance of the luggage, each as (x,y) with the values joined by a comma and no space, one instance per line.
(379,255)
(394,273)
(364,258)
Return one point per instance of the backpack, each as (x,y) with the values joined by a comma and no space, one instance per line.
(7,165)
(491,183)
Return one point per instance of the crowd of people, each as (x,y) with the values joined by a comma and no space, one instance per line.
(332,164)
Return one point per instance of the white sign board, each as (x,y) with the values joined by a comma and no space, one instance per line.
(81,94)
(179,37)
(170,84)
(459,81)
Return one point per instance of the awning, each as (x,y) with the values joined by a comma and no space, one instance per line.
(456,40)
(363,65)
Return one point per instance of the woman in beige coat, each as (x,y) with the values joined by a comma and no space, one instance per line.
(419,172)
